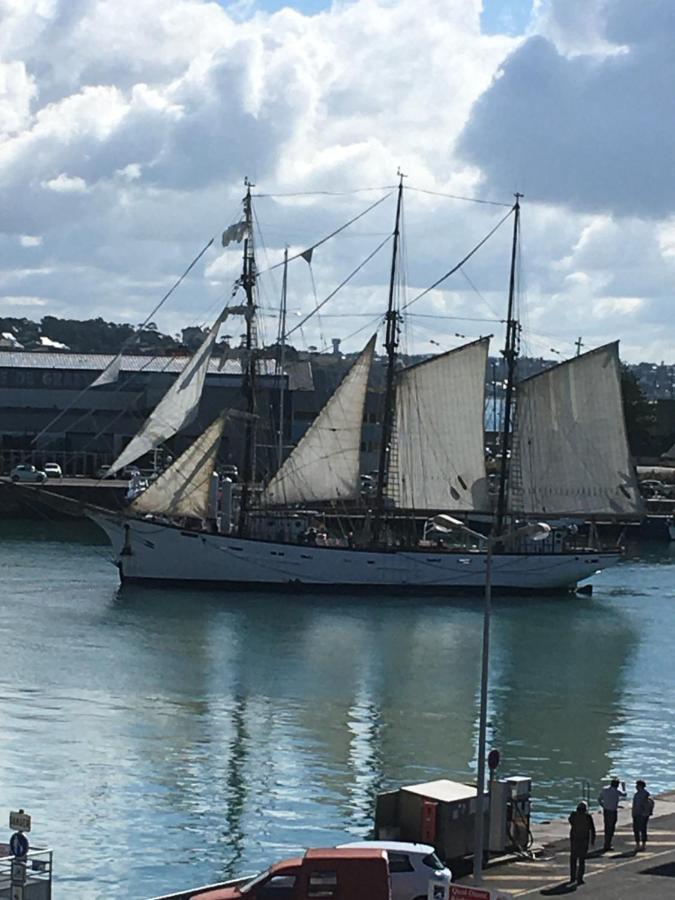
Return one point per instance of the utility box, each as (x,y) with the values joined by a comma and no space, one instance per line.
(500,795)
(441,813)
(518,815)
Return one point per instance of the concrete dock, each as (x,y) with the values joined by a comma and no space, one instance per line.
(620,873)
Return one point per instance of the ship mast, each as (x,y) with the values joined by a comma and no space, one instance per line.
(281,364)
(391,345)
(510,353)
(250,369)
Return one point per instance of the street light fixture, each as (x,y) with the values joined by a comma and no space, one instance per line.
(536,531)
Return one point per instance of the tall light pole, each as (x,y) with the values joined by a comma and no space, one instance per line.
(537,531)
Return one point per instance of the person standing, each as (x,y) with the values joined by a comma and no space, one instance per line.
(582,834)
(643,806)
(609,801)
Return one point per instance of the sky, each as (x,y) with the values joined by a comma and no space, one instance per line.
(127,129)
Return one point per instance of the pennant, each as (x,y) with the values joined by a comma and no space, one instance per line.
(307,255)
(234,234)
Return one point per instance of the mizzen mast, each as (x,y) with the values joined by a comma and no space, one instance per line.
(391,346)
(510,353)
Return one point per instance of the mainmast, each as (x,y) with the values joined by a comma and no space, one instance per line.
(250,369)
(281,364)
(510,355)
(391,345)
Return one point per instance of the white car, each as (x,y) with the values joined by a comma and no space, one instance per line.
(26,472)
(411,866)
(53,470)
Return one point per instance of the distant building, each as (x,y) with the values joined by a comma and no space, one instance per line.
(9,341)
(98,423)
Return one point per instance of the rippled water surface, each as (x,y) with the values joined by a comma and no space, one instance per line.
(163,739)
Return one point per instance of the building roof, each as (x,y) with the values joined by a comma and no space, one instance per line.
(299,375)
(96,362)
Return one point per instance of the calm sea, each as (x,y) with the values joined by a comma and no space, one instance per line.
(162,739)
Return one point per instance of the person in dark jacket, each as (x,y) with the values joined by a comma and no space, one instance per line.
(582,834)
(643,806)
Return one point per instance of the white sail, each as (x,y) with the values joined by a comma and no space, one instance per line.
(184,489)
(111,372)
(438,447)
(570,452)
(325,463)
(176,408)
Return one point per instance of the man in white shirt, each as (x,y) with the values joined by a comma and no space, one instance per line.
(609,801)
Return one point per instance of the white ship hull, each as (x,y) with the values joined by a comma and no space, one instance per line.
(151,552)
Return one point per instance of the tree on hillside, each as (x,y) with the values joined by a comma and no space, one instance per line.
(638,413)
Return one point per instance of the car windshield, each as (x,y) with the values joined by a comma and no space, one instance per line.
(254,882)
(433,862)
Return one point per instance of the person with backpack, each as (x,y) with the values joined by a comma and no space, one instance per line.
(643,807)
(582,834)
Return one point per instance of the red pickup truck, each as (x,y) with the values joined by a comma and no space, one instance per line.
(331,874)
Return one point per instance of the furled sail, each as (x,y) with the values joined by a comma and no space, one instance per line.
(325,463)
(570,452)
(184,489)
(438,446)
(176,408)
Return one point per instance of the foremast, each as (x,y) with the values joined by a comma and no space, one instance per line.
(510,354)
(250,368)
(391,345)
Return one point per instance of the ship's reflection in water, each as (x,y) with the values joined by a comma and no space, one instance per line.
(167,738)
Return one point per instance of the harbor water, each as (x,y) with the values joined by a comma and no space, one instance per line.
(167,738)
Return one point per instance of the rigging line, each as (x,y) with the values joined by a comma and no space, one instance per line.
(453,318)
(176,284)
(328,237)
(478,293)
(460,263)
(129,340)
(378,318)
(341,285)
(385,187)
(409,187)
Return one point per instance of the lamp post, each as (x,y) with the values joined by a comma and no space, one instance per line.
(537,531)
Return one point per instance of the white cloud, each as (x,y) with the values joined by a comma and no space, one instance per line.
(30,240)
(130,127)
(22,301)
(65,184)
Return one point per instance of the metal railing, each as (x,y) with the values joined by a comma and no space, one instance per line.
(32,873)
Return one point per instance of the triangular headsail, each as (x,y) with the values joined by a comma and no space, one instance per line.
(570,452)
(111,372)
(185,488)
(438,452)
(176,408)
(325,465)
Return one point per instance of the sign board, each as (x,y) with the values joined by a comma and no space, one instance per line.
(461,892)
(18,844)
(19,821)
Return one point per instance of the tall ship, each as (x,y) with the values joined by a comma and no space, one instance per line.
(563,456)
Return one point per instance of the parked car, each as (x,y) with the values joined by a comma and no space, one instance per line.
(53,470)
(27,472)
(351,874)
(102,471)
(411,866)
(651,488)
